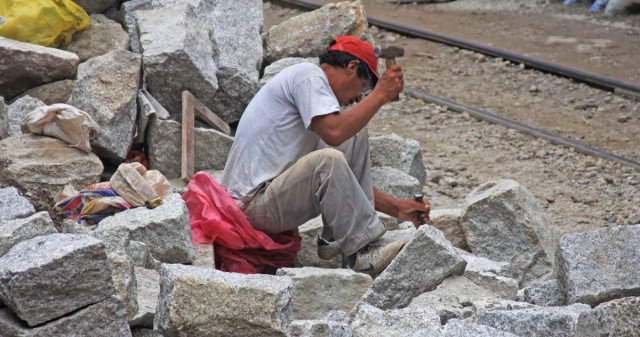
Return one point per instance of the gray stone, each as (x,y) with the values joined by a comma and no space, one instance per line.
(403,154)
(340,288)
(13,205)
(308,254)
(525,319)
(318,328)
(165,138)
(103,36)
(204,255)
(148,282)
(600,265)
(309,34)
(503,221)
(144,332)
(49,276)
(369,321)
(139,253)
(237,51)
(124,281)
(128,19)
(95,6)
(164,229)
(177,55)
(107,88)
(546,293)
(26,65)
(478,264)
(274,68)
(18,109)
(52,93)
(395,182)
(105,318)
(453,298)
(18,230)
(458,328)
(505,288)
(420,266)
(196,301)
(4,119)
(448,221)
(44,165)
(619,317)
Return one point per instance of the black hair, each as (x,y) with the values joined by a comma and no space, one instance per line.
(341,59)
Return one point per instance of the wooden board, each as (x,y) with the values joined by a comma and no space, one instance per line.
(208,116)
(188,142)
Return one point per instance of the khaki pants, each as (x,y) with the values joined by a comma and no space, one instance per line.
(332,182)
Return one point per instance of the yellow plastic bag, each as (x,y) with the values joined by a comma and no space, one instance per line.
(48,23)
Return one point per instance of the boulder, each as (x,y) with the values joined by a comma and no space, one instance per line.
(503,221)
(95,6)
(197,301)
(309,34)
(369,321)
(448,221)
(308,254)
(40,287)
(18,110)
(103,36)
(318,328)
(545,293)
(52,93)
(13,205)
(14,231)
(420,266)
(274,68)
(601,265)
(618,317)
(403,154)
(26,65)
(459,328)
(148,282)
(340,288)
(395,182)
(44,165)
(107,88)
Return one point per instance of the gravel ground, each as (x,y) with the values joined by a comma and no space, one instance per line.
(579,192)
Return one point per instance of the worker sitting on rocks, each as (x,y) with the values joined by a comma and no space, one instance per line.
(297,155)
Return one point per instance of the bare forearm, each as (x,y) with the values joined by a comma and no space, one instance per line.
(384,203)
(404,209)
(337,128)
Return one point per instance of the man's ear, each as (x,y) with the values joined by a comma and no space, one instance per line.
(352,67)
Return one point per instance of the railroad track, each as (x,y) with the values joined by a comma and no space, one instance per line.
(621,88)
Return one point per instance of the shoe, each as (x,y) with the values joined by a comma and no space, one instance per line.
(327,250)
(373,260)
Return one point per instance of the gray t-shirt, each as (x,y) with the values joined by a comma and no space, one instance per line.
(273,132)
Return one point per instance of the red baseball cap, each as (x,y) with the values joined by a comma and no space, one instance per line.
(360,49)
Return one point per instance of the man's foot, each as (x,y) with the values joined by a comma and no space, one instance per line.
(327,250)
(373,260)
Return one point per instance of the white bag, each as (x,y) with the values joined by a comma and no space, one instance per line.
(64,122)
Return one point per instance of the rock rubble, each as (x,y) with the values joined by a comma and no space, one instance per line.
(489,264)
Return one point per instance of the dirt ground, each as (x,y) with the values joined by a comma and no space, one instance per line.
(579,192)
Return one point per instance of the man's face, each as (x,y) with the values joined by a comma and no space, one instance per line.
(352,87)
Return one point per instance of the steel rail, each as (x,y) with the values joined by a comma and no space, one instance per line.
(492,118)
(595,80)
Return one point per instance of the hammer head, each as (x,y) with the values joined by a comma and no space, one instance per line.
(389,51)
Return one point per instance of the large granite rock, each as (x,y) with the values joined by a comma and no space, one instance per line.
(197,301)
(50,276)
(369,321)
(13,205)
(15,231)
(18,110)
(395,182)
(103,36)
(399,153)
(24,66)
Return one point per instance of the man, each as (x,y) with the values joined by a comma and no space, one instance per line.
(297,155)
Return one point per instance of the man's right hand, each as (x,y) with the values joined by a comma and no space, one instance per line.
(391,83)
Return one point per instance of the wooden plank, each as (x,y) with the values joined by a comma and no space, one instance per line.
(209,116)
(188,142)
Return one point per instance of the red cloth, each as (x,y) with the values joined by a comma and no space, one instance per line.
(215,218)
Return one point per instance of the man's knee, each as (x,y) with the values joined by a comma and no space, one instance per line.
(331,157)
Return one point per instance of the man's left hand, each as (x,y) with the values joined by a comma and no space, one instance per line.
(414,211)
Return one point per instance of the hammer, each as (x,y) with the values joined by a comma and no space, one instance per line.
(389,53)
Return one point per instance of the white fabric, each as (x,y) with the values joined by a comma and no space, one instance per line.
(275,128)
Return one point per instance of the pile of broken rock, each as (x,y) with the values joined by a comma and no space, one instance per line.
(486,266)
